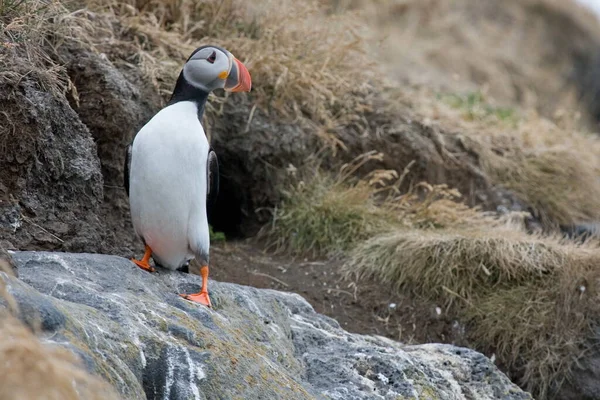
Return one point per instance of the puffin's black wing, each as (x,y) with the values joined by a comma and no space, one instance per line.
(126,169)
(213,180)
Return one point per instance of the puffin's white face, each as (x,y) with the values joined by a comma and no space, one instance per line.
(211,68)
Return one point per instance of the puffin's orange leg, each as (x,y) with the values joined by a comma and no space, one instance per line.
(143,263)
(202,296)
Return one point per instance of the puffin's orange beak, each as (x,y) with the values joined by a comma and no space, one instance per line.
(239,78)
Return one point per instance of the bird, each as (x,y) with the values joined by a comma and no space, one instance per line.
(171,172)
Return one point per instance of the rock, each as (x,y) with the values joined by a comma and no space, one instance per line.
(133,329)
(114,104)
(585,383)
(49,169)
(111,106)
(583,231)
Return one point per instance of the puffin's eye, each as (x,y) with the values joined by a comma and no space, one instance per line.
(212,57)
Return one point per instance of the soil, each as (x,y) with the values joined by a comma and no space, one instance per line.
(361,307)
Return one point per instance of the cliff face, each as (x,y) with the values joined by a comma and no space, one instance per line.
(133,329)
(74,94)
(61,168)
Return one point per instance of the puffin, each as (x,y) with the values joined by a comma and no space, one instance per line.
(171,173)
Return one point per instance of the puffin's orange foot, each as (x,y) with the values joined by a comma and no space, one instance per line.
(201,298)
(145,265)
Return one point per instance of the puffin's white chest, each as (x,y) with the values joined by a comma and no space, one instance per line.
(168,185)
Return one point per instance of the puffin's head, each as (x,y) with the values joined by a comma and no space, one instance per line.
(212,67)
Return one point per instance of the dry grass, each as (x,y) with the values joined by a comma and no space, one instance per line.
(559,183)
(505,69)
(529,299)
(29,34)
(513,49)
(465,47)
(32,370)
(305,65)
(552,166)
(461,261)
(325,215)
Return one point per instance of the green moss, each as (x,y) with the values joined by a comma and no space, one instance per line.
(163,326)
(475,107)
(428,393)
(216,236)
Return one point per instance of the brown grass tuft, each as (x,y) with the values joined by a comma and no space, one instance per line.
(32,370)
(529,299)
(560,183)
(29,32)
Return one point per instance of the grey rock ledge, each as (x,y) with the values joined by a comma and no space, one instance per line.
(133,329)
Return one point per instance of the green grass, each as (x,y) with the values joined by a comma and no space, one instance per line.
(325,217)
(216,236)
(475,107)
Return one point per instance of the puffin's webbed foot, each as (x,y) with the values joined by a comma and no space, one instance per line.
(144,262)
(201,297)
